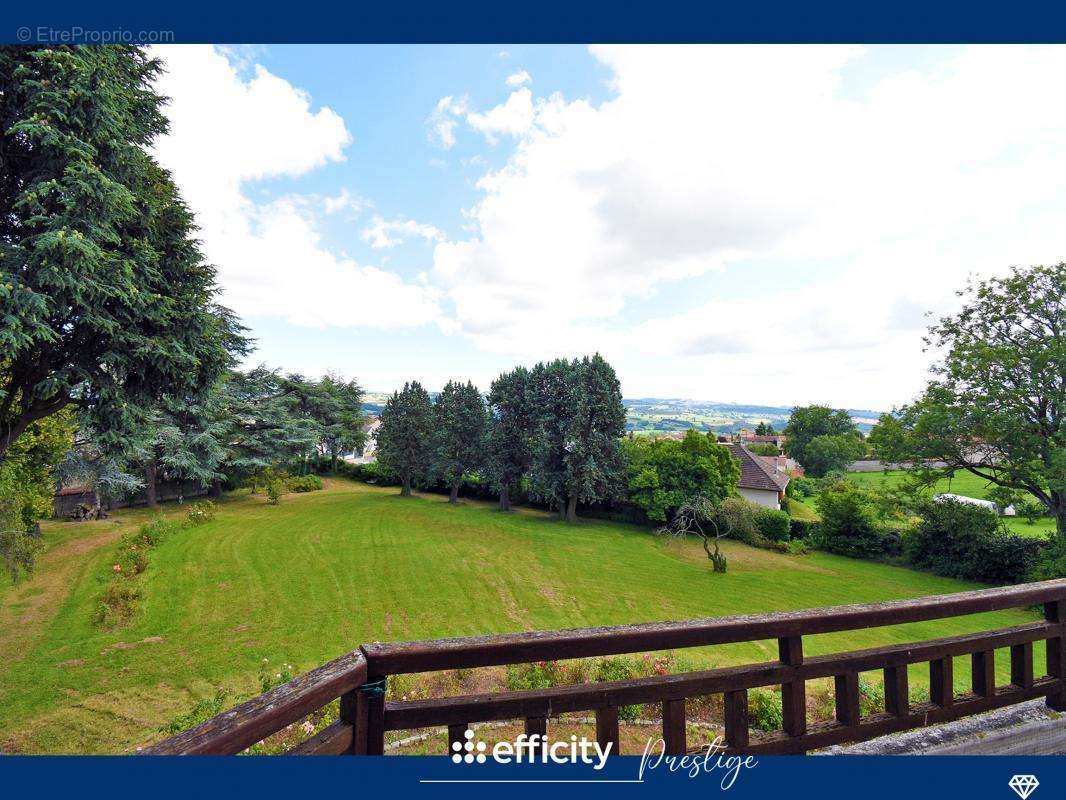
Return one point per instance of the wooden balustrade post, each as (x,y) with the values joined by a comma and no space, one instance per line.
(538,726)
(942,681)
(607,728)
(1021,665)
(983,673)
(793,693)
(364,708)
(847,699)
(674,736)
(1056,655)
(897,691)
(736,719)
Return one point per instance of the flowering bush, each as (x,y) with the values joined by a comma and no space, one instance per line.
(201,512)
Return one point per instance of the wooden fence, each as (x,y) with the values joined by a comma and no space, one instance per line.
(359,679)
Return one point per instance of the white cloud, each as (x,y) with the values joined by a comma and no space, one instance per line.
(442,122)
(743,159)
(228,130)
(520,78)
(382,233)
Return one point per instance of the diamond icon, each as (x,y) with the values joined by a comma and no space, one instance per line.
(1023,785)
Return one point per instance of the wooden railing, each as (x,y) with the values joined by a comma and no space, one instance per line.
(359,679)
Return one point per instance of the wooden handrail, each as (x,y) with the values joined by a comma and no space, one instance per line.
(251,722)
(516,648)
(359,678)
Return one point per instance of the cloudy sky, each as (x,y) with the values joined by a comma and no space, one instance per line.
(748,224)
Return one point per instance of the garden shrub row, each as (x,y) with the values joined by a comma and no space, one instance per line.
(122,592)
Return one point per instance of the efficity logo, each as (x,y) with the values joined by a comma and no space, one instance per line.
(1023,785)
(531,749)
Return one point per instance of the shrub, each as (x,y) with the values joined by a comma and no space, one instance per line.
(304,483)
(201,712)
(537,675)
(803,487)
(801,528)
(764,710)
(962,540)
(772,524)
(850,526)
(274,491)
(1051,563)
(201,512)
(619,669)
(1030,509)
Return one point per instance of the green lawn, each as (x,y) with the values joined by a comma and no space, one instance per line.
(964,483)
(323,572)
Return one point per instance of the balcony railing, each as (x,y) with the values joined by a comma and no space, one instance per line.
(360,677)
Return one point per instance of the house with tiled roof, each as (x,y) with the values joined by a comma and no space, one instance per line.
(760,482)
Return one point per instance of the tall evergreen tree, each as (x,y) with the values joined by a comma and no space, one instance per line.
(105,300)
(461,425)
(577,451)
(404,444)
(511,431)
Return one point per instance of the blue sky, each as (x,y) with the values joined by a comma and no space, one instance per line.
(761,225)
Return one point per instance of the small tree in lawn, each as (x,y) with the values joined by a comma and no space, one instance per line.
(510,431)
(699,516)
(461,425)
(404,443)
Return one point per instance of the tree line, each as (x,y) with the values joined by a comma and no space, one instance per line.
(557,427)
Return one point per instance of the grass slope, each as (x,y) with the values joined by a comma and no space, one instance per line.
(964,483)
(323,572)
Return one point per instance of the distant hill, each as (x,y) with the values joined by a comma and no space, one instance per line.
(660,414)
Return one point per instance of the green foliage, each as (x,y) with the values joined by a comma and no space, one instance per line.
(664,473)
(826,454)
(535,675)
(886,440)
(836,434)
(460,428)
(803,486)
(274,490)
(579,423)
(962,540)
(764,710)
(404,438)
(772,524)
(510,440)
(201,712)
(764,429)
(764,449)
(200,512)
(999,384)
(801,528)
(304,483)
(1030,510)
(851,524)
(105,299)
(27,488)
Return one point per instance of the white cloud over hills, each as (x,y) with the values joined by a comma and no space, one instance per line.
(743,159)
(805,206)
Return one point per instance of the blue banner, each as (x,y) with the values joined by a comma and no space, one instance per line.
(827,778)
(902,21)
